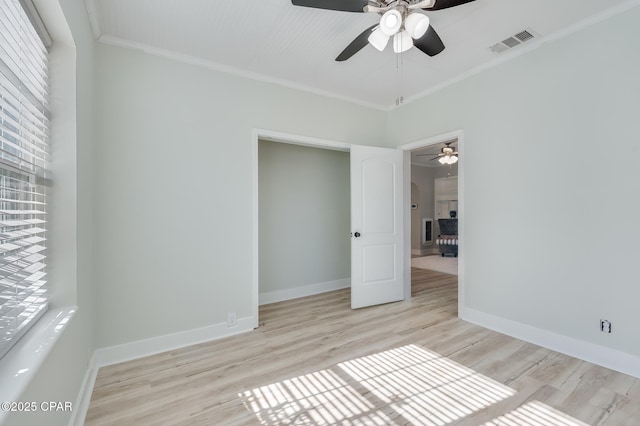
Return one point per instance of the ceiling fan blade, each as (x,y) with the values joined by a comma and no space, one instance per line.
(446,4)
(341,5)
(430,43)
(435,158)
(356,45)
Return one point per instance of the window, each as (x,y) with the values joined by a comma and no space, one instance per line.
(24,176)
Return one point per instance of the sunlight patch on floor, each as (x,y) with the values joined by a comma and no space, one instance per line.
(403,385)
(423,387)
(406,385)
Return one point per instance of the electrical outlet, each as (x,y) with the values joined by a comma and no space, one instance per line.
(605,326)
(231,319)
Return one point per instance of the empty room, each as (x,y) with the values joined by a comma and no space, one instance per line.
(319,212)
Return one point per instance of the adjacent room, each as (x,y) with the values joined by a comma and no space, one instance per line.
(304,221)
(319,212)
(434,207)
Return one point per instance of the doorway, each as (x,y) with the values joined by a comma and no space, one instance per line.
(377,237)
(304,199)
(425,207)
(280,291)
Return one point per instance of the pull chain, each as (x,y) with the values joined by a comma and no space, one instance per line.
(400,82)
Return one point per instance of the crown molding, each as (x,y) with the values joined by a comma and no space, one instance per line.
(94,20)
(508,56)
(192,60)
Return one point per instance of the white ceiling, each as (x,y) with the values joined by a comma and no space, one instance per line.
(275,41)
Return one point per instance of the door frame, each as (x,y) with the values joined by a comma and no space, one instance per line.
(294,139)
(281,137)
(407,148)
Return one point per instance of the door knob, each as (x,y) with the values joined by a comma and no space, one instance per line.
(357,234)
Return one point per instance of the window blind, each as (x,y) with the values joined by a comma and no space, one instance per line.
(24,158)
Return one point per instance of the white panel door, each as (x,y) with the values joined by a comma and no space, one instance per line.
(377,249)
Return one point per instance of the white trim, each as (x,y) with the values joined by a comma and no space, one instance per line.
(406,223)
(303,291)
(276,136)
(94,18)
(147,347)
(23,361)
(293,139)
(255,225)
(155,345)
(592,20)
(459,136)
(215,66)
(421,143)
(590,352)
(84,398)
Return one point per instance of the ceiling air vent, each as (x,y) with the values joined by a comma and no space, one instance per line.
(524,36)
(514,40)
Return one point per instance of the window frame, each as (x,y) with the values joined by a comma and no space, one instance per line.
(24,170)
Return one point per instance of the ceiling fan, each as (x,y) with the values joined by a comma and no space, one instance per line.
(447,155)
(400,19)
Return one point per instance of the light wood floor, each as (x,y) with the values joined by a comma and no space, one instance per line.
(316,362)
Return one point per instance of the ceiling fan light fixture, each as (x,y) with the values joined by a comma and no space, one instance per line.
(417,24)
(448,159)
(391,22)
(402,42)
(378,39)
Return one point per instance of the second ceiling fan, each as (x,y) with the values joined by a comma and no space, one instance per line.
(400,21)
(447,154)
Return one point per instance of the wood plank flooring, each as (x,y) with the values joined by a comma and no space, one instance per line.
(317,362)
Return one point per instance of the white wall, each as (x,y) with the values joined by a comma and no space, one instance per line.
(174,180)
(164,189)
(70,231)
(304,218)
(554,132)
(422,194)
(445,171)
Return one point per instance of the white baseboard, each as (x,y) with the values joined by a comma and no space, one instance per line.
(596,354)
(84,398)
(141,348)
(303,291)
(155,345)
